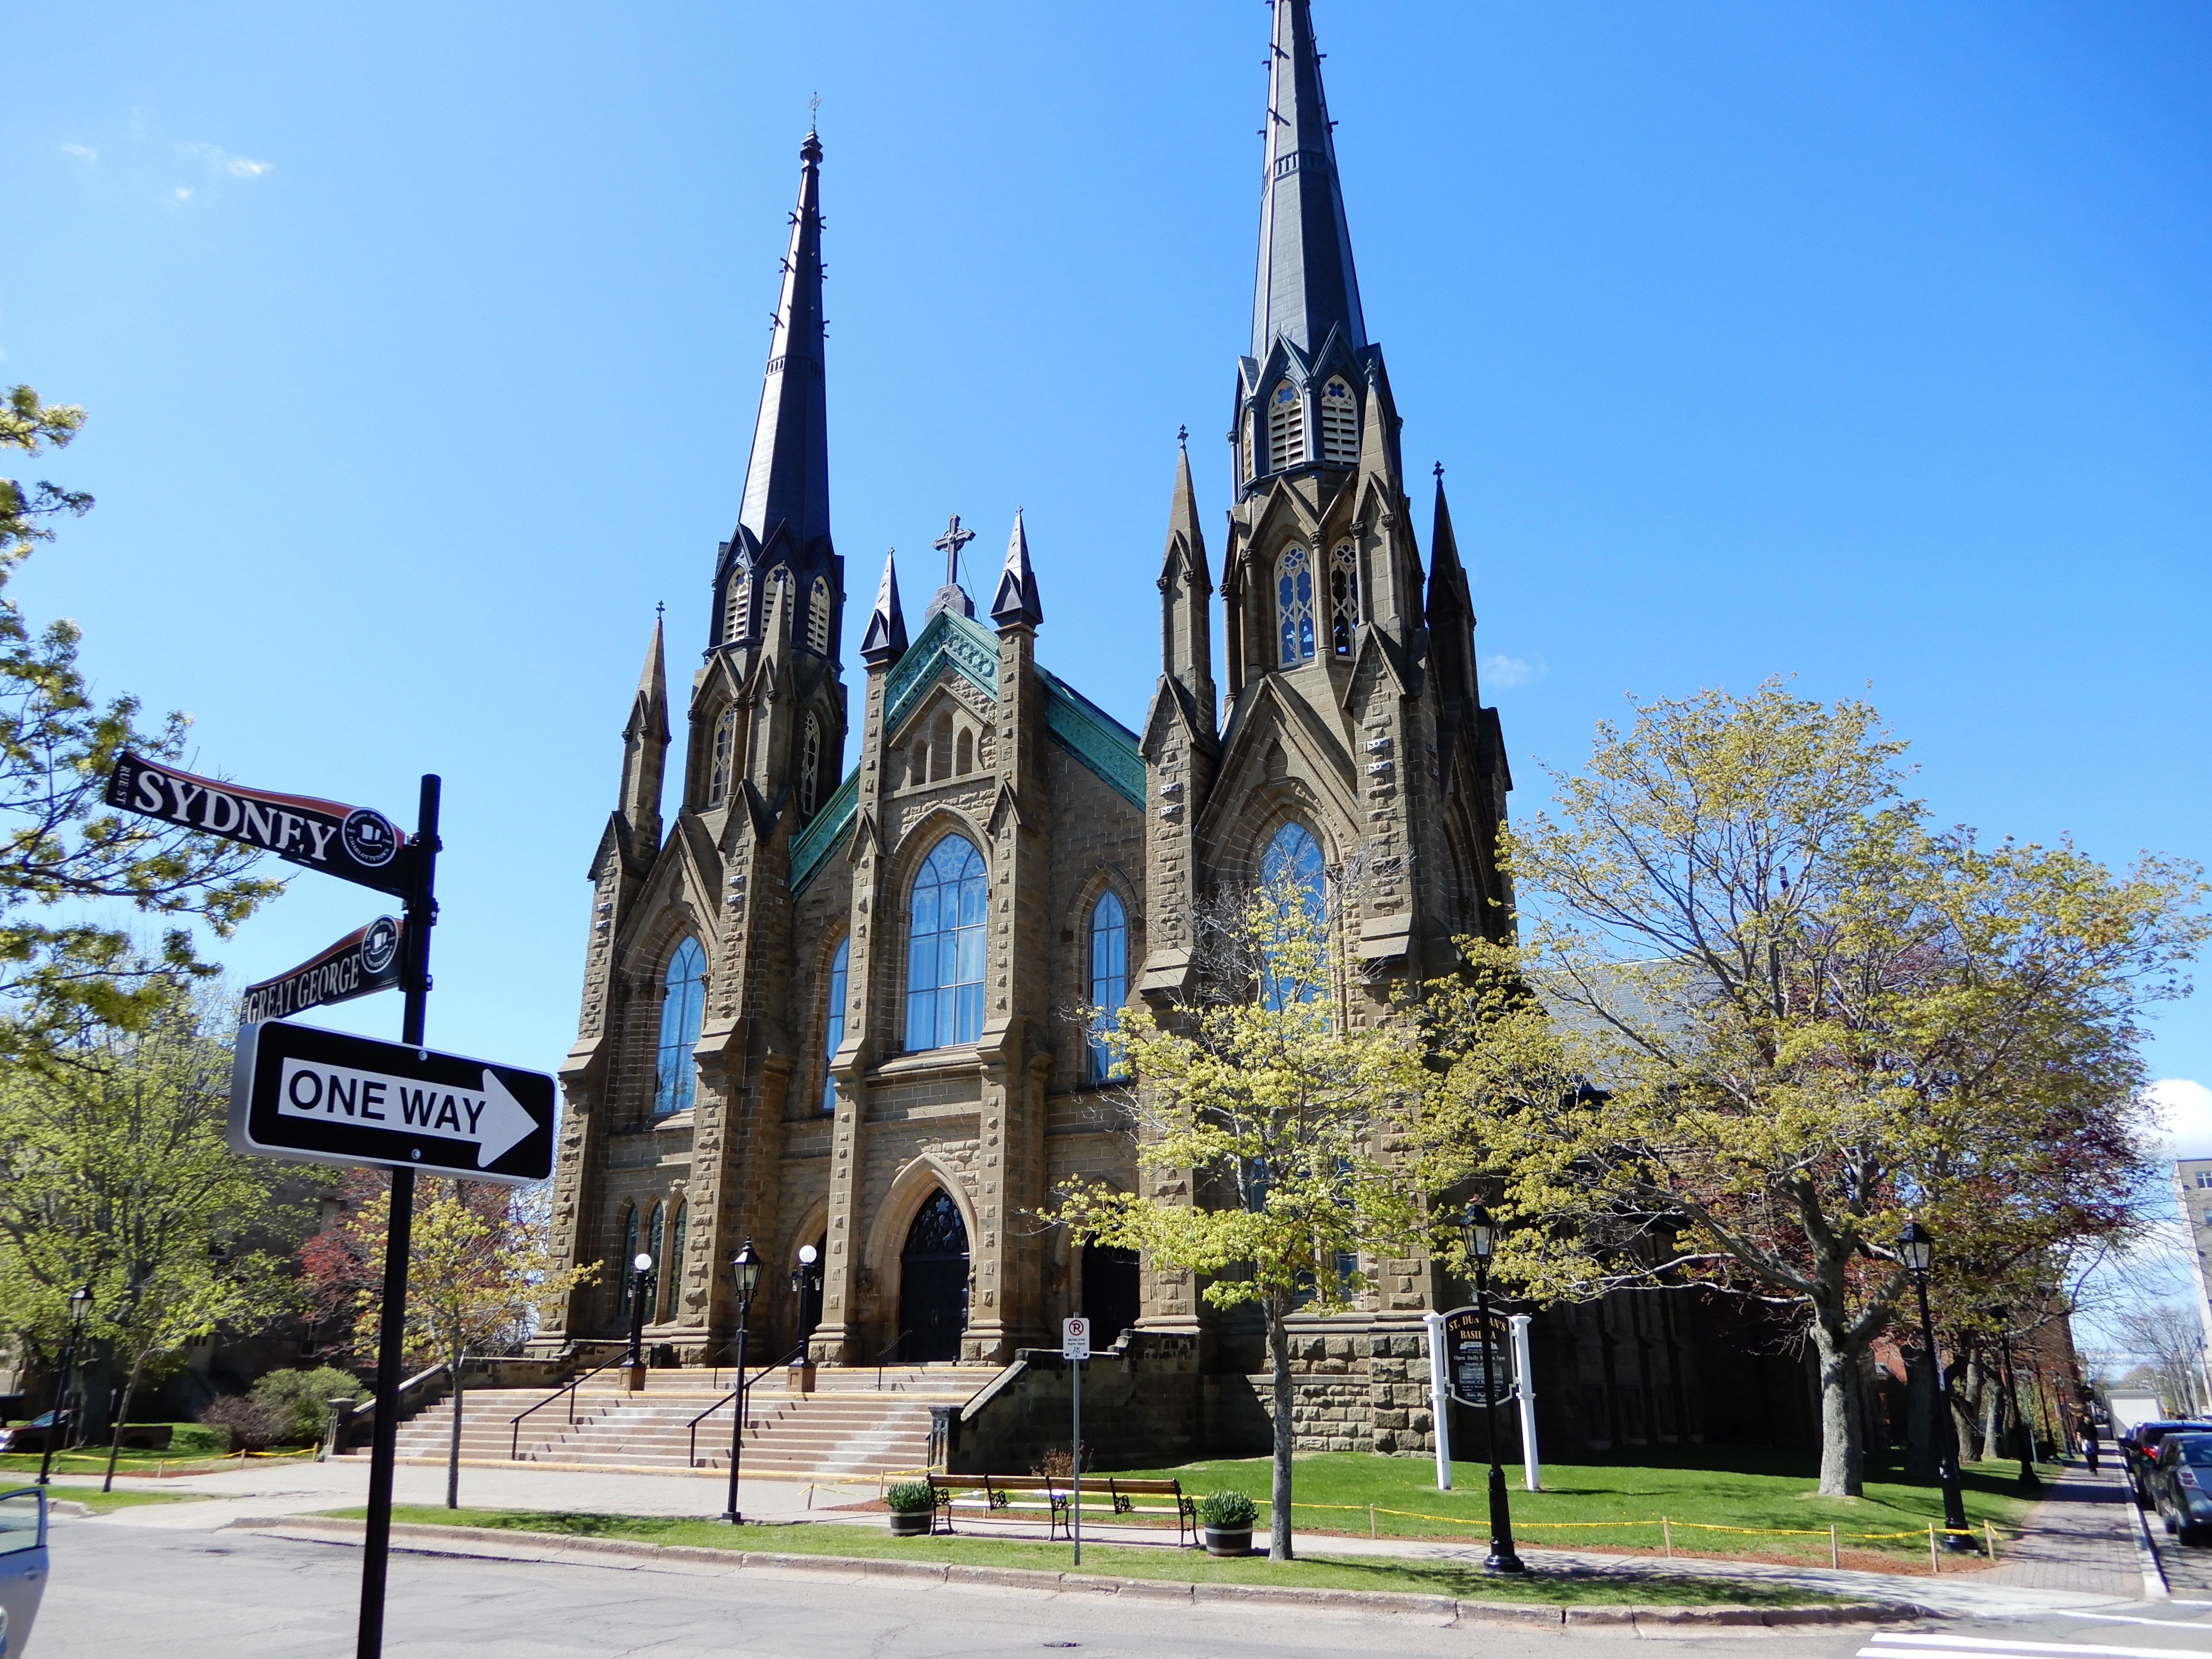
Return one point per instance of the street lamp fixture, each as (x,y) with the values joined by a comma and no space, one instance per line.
(640,1291)
(1479,1234)
(1916,1247)
(806,1282)
(80,1307)
(744,1270)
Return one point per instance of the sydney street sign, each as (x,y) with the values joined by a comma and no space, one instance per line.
(353,842)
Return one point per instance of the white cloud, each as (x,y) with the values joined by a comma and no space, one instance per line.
(89,156)
(2183,1108)
(182,193)
(221,160)
(1503,674)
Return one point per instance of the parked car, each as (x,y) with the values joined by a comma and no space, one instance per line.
(2180,1482)
(22,1565)
(31,1437)
(2139,1445)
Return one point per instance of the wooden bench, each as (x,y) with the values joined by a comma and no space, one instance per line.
(992,1492)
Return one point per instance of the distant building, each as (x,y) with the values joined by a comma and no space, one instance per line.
(2193,1192)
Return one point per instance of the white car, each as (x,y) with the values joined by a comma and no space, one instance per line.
(22,1565)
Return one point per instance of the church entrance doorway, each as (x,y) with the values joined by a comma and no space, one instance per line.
(1111,1294)
(934,1282)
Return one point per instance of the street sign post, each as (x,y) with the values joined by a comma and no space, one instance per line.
(365,960)
(1075,1348)
(310,1096)
(359,845)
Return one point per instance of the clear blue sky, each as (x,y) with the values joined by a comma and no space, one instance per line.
(422,345)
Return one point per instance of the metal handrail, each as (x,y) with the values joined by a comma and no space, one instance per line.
(886,1354)
(691,1459)
(515,1444)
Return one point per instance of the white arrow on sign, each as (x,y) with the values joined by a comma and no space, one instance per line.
(491,1117)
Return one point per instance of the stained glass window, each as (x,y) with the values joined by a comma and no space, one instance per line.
(1110,980)
(1294,605)
(833,1024)
(945,950)
(683,1007)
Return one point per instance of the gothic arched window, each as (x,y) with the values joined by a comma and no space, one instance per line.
(1109,981)
(733,609)
(1287,427)
(1340,425)
(671,1266)
(724,763)
(1293,858)
(945,949)
(818,615)
(809,766)
(1343,598)
(682,1007)
(1294,605)
(833,1021)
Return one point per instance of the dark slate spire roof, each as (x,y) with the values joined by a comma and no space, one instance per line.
(1306,282)
(1017,598)
(788,479)
(886,635)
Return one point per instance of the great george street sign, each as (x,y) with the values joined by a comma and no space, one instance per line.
(365,960)
(352,843)
(305,1095)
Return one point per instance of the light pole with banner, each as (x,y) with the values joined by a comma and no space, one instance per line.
(1478,1363)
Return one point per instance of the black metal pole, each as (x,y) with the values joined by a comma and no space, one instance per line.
(730,1512)
(1955,1535)
(61,1404)
(1502,1558)
(422,914)
(2029,1480)
(640,1283)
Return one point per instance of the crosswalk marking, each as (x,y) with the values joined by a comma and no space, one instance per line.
(1904,1646)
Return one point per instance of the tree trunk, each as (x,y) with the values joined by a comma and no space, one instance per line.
(1843,1471)
(1992,1418)
(1966,1386)
(1279,1515)
(1921,1426)
(122,1416)
(453,1450)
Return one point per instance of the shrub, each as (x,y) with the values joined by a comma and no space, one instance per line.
(1227,1509)
(301,1399)
(1058,1463)
(910,1498)
(247,1424)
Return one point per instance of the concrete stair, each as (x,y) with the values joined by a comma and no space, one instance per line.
(857,1423)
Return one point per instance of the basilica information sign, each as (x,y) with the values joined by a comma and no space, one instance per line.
(311,1096)
(1479,1369)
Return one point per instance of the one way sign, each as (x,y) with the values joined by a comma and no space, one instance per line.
(300,1093)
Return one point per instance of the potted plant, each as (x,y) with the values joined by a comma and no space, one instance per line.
(1226,1519)
(913,1506)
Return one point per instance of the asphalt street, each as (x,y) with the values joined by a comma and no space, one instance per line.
(119,1589)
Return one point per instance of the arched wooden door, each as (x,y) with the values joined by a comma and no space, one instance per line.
(934,1282)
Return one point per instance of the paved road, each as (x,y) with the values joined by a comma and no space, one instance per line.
(120,1589)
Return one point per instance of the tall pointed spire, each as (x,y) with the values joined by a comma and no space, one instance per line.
(788,480)
(1017,598)
(1306,282)
(645,747)
(886,636)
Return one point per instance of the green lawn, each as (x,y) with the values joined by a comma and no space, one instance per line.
(101,1502)
(1583,1505)
(1180,1566)
(191,1444)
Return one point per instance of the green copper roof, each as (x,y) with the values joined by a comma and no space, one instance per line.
(1070,719)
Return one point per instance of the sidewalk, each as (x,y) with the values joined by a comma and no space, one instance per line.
(2080,1538)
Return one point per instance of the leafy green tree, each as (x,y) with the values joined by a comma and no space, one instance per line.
(116,1173)
(1761,1013)
(65,859)
(1266,1119)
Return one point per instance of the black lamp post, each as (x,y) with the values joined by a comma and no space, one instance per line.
(1480,1234)
(805,1283)
(744,1267)
(1916,1247)
(80,1304)
(641,1289)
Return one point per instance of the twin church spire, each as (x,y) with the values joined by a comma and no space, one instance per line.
(1306,285)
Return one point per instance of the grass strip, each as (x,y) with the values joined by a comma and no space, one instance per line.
(102,1502)
(1633,1587)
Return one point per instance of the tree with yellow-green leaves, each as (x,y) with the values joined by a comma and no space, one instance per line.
(479,1268)
(1761,1012)
(1266,1120)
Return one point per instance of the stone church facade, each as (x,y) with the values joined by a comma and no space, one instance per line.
(846,1012)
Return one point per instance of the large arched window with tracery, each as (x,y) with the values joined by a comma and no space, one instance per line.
(722,766)
(1294,605)
(1292,861)
(1110,980)
(945,947)
(1343,598)
(683,1007)
(809,766)
(833,1022)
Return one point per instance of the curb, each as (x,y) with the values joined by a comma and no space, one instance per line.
(2156,1588)
(1429,1609)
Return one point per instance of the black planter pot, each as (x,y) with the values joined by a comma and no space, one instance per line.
(910,1523)
(1228,1541)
